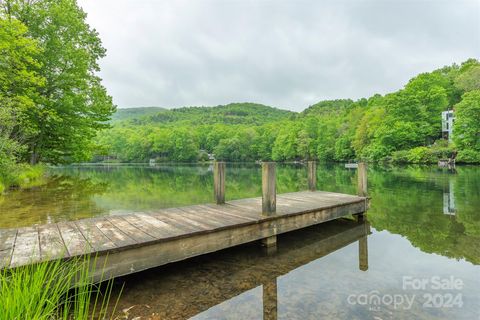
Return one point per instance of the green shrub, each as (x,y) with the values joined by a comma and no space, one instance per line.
(468,156)
(441,143)
(400,156)
(202,156)
(420,155)
(423,154)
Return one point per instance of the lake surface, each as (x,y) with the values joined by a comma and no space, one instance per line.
(423,247)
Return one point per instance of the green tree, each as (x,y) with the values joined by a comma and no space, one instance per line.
(467,122)
(185,146)
(19,85)
(469,80)
(72,105)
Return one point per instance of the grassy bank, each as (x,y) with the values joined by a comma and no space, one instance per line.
(14,175)
(43,291)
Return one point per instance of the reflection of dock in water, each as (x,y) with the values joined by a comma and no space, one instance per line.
(236,271)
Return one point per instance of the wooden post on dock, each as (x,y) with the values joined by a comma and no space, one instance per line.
(362,189)
(312,175)
(270,300)
(269,198)
(362,179)
(219,181)
(269,190)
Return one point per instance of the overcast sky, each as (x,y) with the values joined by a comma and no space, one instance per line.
(288,54)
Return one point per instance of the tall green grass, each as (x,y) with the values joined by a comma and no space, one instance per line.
(54,290)
(20,175)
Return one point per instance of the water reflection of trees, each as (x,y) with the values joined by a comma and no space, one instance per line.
(410,202)
(145,188)
(62,198)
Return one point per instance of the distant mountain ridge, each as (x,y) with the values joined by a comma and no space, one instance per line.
(233,113)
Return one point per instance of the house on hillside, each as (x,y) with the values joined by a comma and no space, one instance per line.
(448,118)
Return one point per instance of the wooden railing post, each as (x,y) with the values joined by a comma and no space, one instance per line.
(312,175)
(219,181)
(362,179)
(269,190)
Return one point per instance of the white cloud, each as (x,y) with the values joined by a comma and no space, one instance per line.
(288,54)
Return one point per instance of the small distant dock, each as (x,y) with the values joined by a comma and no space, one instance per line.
(138,241)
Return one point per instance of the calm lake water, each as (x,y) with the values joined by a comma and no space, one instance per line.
(420,260)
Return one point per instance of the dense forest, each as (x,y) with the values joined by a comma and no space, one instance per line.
(403,126)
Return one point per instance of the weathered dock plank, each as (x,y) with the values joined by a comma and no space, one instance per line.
(195,219)
(152,226)
(202,217)
(27,247)
(172,216)
(130,230)
(7,241)
(232,211)
(95,236)
(51,242)
(118,237)
(73,239)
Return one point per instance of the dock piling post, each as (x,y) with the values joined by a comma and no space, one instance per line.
(219,181)
(312,175)
(362,189)
(362,179)
(269,190)
(269,199)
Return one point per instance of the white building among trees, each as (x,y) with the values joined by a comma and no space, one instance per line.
(448,118)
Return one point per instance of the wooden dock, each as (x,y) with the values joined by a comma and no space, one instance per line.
(137,241)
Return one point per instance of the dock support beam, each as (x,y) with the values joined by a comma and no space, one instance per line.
(270,244)
(312,175)
(219,181)
(269,198)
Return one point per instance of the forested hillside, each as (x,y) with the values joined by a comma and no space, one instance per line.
(403,126)
(135,113)
(233,113)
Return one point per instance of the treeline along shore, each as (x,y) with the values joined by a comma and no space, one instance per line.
(402,127)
